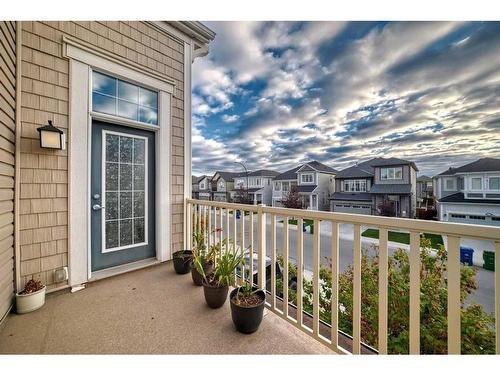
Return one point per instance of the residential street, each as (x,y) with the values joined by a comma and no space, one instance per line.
(484,295)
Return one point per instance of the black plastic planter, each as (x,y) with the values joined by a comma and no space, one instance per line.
(183,261)
(215,296)
(208,268)
(247,319)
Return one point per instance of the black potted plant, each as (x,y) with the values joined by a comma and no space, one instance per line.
(183,261)
(247,307)
(216,285)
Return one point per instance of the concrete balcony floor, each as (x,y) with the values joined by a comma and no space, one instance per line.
(149,311)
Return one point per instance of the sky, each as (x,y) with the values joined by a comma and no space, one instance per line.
(274,95)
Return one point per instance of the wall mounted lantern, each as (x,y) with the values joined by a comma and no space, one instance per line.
(51,137)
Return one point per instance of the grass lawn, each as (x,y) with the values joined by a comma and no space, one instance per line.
(307,222)
(404,238)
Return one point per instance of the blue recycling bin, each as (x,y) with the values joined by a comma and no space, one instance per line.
(237,214)
(466,255)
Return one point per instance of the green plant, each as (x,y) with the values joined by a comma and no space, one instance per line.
(477,327)
(226,264)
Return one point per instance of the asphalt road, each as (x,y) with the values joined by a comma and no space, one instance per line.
(484,295)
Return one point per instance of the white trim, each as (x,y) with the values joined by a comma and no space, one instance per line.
(188,49)
(81,61)
(103,196)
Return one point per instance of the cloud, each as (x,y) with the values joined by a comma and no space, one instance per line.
(344,92)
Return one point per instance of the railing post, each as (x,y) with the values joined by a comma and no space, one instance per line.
(414,292)
(383,282)
(189,228)
(261,247)
(497,296)
(454,305)
(356,292)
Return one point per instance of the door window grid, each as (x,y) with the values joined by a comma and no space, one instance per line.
(135,224)
(119,98)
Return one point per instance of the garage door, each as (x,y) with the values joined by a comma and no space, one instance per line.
(474,219)
(360,209)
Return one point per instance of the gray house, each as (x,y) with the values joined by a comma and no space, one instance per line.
(378,187)
(470,194)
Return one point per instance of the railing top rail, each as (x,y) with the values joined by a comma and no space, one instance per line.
(438,227)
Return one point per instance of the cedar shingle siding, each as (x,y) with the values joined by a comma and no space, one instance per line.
(45,95)
(7,151)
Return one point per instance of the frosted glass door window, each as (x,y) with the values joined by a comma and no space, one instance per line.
(125,191)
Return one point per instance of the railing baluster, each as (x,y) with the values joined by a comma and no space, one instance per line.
(261,248)
(382,291)
(235,240)
(195,218)
(242,243)
(316,250)
(356,295)
(189,226)
(285,266)
(250,239)
(335,282)
(497,296)
(273,261)
(228,231)
(209,224)
(221,230)
(198,212)
(300,268)
(454,305)
(414,292)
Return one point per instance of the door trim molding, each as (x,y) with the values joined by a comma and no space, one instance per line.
(79,150)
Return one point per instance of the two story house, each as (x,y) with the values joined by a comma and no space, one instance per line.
(378,186)
(470,194)
(202,187)
(314,182)
(222,185)
(257,184)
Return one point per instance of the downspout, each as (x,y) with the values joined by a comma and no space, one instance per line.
(17,162)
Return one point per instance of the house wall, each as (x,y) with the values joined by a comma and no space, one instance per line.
(8,66)
(45,83)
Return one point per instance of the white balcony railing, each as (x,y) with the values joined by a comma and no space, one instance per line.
(239,229)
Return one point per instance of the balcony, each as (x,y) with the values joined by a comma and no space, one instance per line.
(317,304)
(149,311)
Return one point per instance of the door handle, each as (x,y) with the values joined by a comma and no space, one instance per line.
(97,207)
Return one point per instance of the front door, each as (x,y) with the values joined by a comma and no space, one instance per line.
(122,200)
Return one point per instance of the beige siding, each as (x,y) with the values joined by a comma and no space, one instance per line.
(7,150)
(45,95)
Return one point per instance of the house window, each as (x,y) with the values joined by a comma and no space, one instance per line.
(449,184)
(202,185)
(477,183)
(429,184)
(257,183)
(395,173)
(221,184)
(115,97)
(475,217)
(277,186)
(494,183)
(457,216)
(286,186)
(355,185)
(307,178)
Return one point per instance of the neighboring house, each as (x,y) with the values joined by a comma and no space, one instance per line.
(425,192)
(260,186)
(223,185)
(109,194)
(470,194)
(352,189)
(202,188)
(314,181)
(378,186)
(394,188)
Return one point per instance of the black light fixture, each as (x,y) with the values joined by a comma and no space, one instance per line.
(51,137)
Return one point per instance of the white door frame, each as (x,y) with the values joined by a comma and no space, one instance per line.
(83,59)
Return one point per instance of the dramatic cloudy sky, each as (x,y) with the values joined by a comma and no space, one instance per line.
(273,95)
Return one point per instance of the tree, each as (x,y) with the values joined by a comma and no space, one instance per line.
(477,327)
(386,208)
(292,199)
(242,196)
